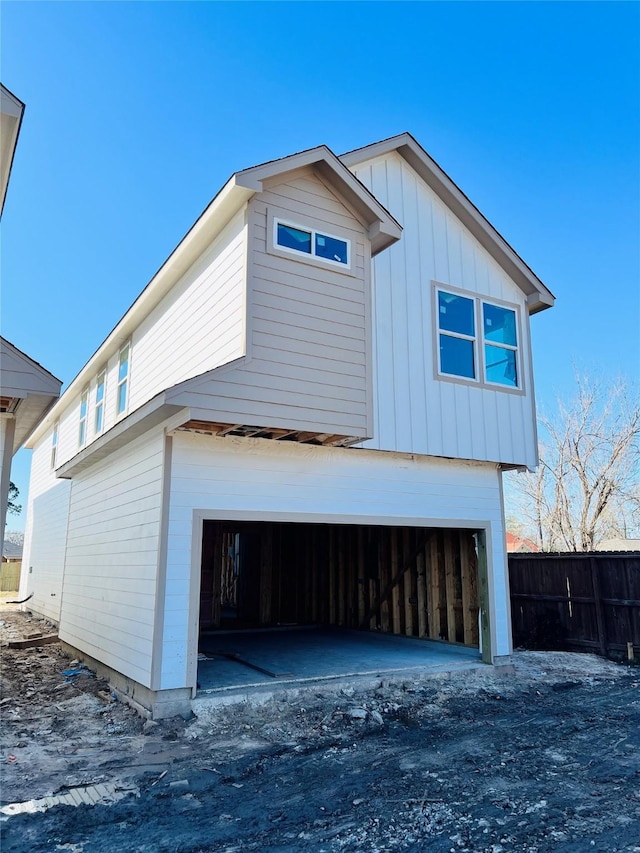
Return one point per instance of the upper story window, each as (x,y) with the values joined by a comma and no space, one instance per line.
(123,379)
(82,426)
(54,443)
(477,340)
(98,414)
(309,241)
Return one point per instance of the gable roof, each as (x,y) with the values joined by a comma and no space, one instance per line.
(382,227)
(538,295)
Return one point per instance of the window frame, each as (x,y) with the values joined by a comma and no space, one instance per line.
(309,256)
(54,444)
(479,301)
(125,381)
(84,417)
(99,405)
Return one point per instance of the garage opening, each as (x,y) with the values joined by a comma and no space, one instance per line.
(303,583)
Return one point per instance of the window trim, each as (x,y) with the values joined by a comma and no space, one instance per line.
(309,257)
(82,423)
(480,380)
(124,381)
(98,405)
(54,444)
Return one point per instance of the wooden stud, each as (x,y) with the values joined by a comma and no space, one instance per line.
(395,594)
(450,585)
(409,574)
(423,625)
(383,572)
(332,576)
(361,574)
(468,573)
(483,595)
(266,573)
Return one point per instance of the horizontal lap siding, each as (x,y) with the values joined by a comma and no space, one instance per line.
(199,325)
(45,535)
(309,324)
(314,484)
(109,595)
(414,411)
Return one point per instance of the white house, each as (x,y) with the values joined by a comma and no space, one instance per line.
(303,418)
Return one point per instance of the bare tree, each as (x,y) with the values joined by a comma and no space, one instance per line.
(587,486)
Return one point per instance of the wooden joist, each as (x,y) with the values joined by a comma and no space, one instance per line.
(273,433)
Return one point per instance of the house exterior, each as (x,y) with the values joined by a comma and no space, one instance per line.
(303,418)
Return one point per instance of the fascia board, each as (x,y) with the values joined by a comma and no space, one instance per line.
(383,228)
(539,296)
(13,108)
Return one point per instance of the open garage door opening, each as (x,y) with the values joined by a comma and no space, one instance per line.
(312,586)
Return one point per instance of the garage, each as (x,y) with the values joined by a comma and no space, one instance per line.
(283,600)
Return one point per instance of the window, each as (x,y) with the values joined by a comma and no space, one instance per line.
(123,379)
(54,444)
(477,340)
(82,427)
(293,238)
(98,416)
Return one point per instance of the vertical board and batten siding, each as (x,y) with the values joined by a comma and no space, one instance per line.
(414,411)
(45,535)
(226,478)
(308,324)
(109,594)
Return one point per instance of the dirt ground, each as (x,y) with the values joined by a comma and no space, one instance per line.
(543,760)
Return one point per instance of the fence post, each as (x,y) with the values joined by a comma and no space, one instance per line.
(595,580)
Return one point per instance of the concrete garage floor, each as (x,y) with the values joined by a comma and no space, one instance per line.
(293,655)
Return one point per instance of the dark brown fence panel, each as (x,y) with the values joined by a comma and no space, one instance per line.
(582,602)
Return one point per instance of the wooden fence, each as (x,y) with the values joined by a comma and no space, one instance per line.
(580,602)
(10,576)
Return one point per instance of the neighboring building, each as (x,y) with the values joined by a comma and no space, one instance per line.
(11,112)
(11,552)
(618,545)
(520,544)
(303,418)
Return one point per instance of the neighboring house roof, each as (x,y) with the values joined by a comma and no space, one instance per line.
(11,551)
(26,389)
(11,112)
(520,544)
(618,545)
(241,186)
(539,296)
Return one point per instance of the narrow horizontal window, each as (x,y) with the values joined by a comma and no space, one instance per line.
(325,247)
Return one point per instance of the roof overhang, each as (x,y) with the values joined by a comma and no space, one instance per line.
(27,390)
(11,112)
(538,295)
(383,229)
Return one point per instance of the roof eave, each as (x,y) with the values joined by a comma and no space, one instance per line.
(539,296)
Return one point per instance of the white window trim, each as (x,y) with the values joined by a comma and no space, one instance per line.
(308,229)
(82,423)
(480,380)
(126,381)
(99,404)
(54,443)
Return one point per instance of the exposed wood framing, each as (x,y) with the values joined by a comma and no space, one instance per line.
(416,582)
(274,433)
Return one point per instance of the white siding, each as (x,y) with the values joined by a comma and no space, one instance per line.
(228,477)
(45,535)
(413,410)
(109,594)
(198,326)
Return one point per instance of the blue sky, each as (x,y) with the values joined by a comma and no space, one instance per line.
(138,112)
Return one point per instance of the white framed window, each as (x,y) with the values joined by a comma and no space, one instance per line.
(98,412)
(54,443)
(477,340)
(298,239)
(122,394)
(82,426)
